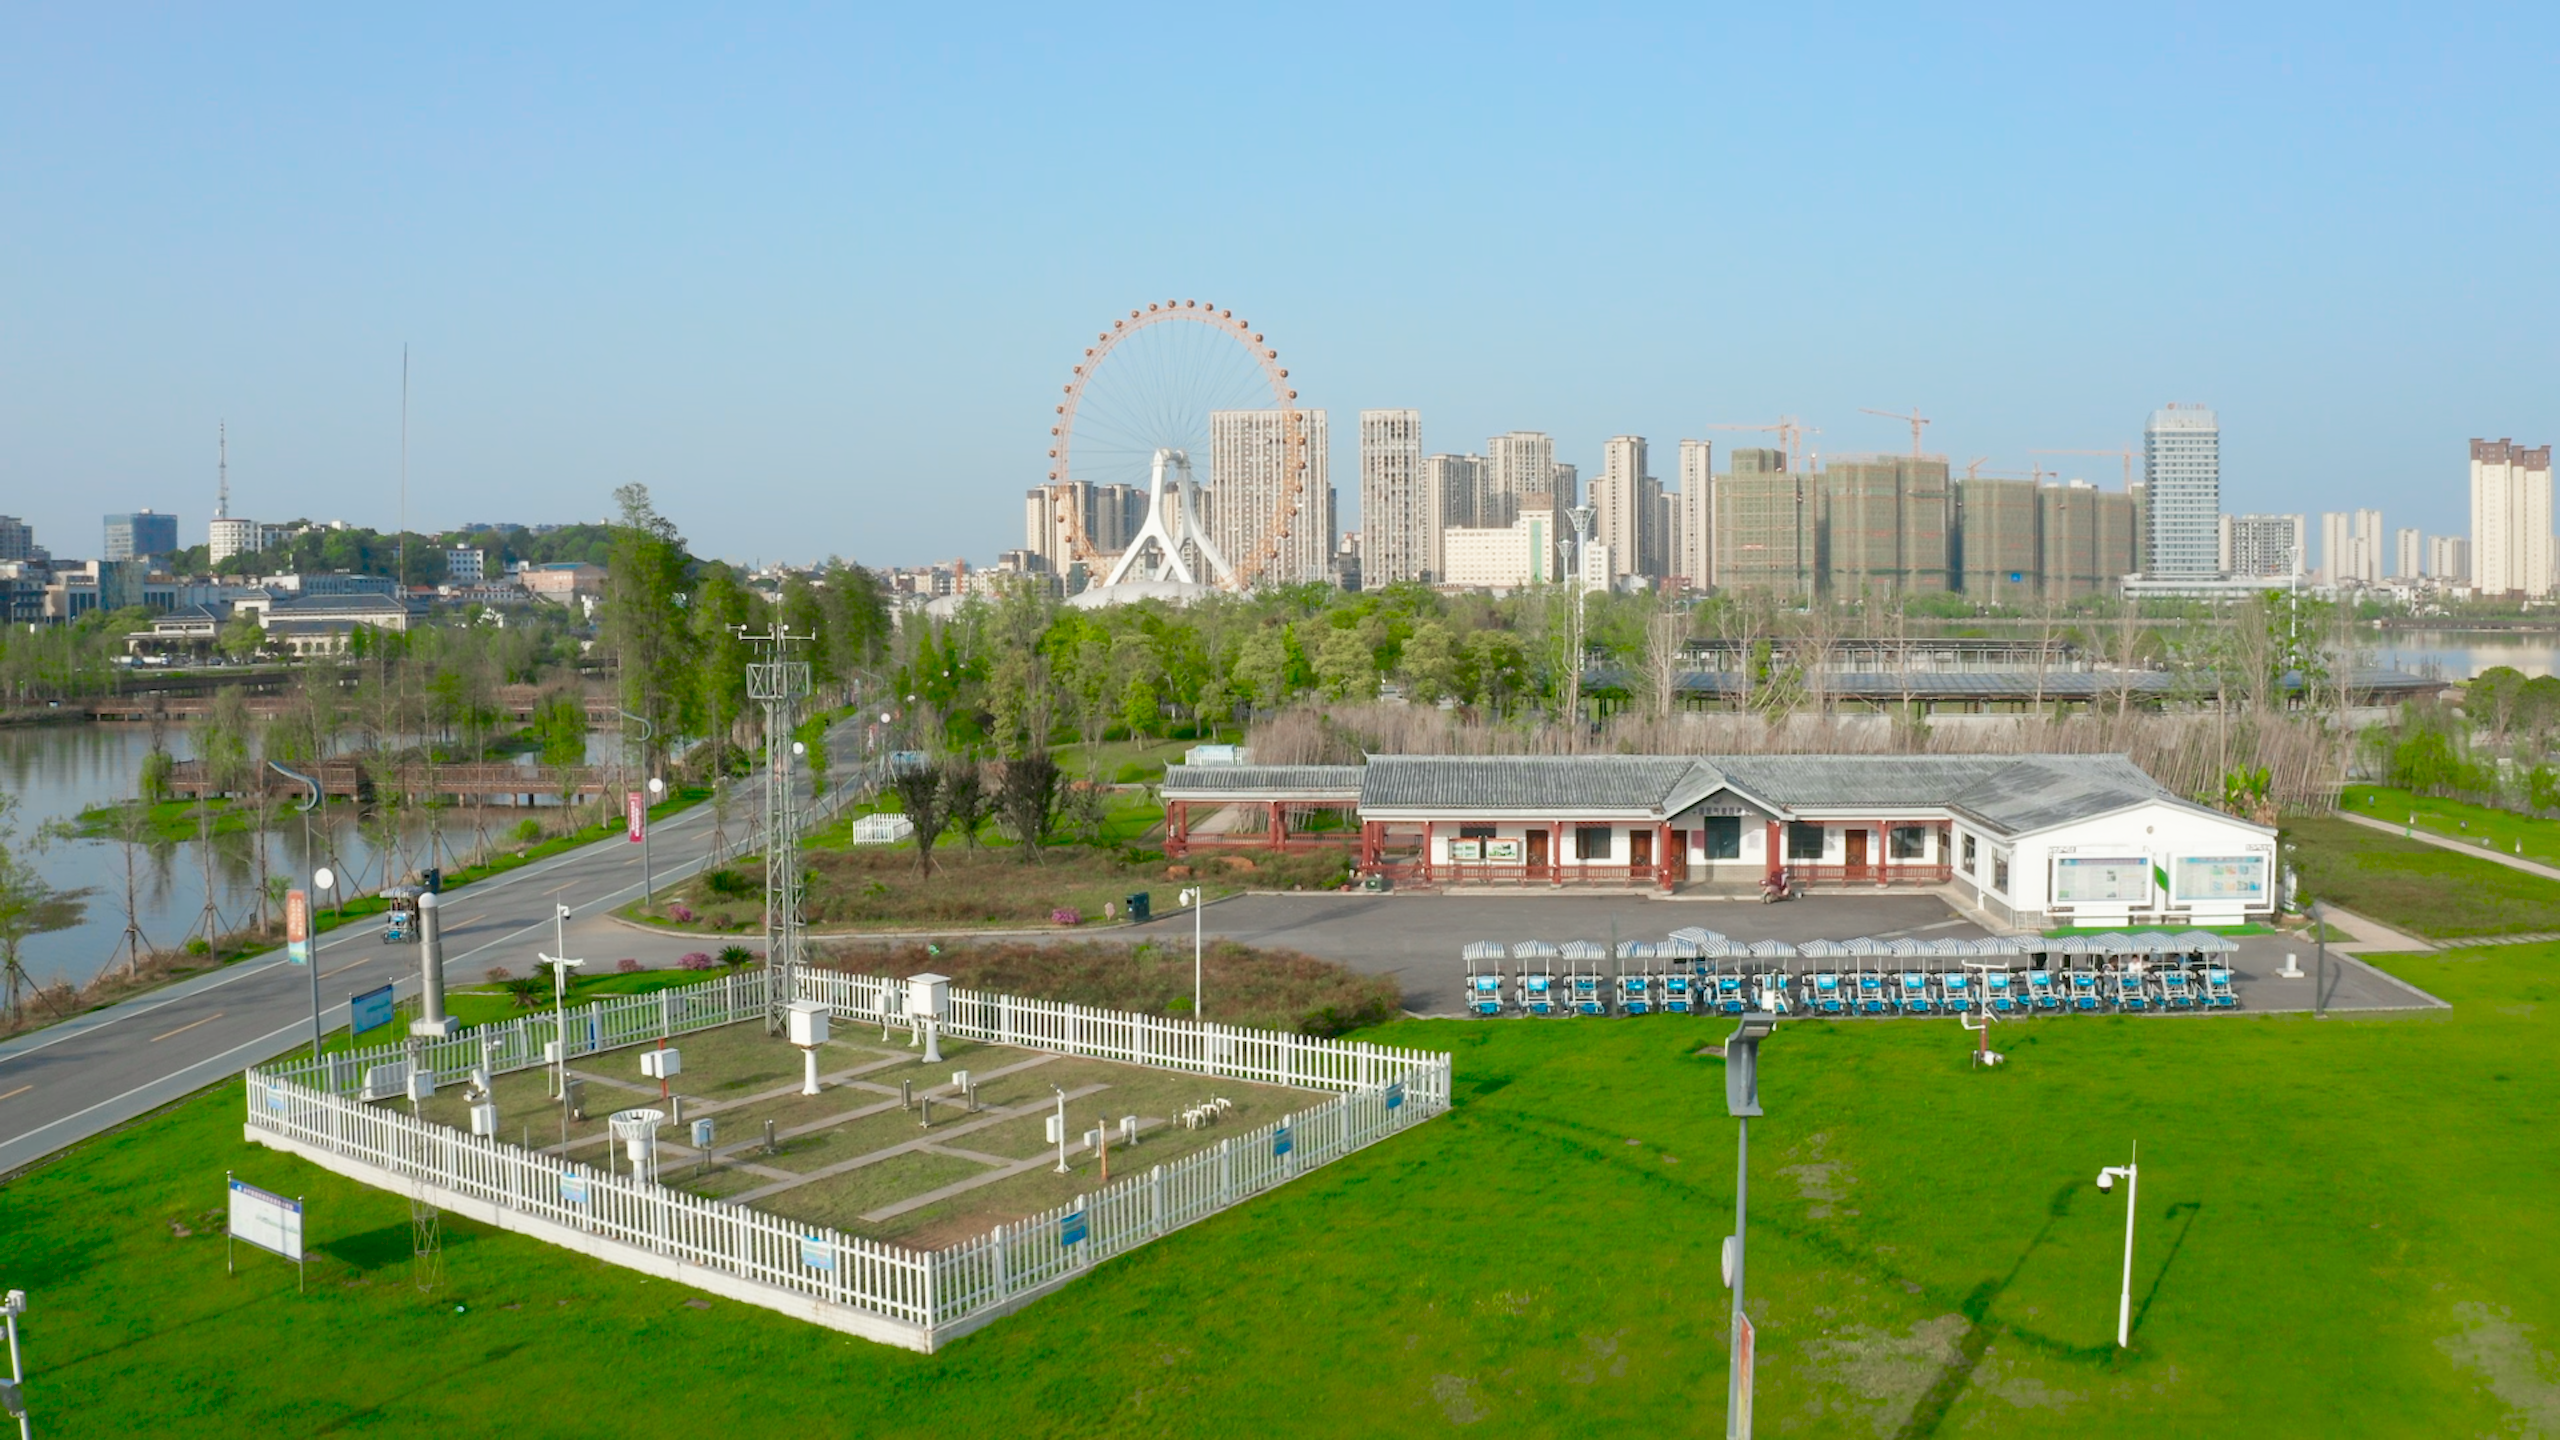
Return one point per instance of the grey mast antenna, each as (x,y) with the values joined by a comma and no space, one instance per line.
(400,581)
(222,471)
(779,683)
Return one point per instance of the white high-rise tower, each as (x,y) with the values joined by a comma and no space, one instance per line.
(2510,519)
(1399,519)
(2182,479)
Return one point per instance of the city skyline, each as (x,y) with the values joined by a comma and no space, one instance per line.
(774,294)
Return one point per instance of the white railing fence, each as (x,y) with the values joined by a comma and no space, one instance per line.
(922,1295)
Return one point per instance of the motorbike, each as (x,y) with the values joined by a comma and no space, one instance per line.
(1781,886)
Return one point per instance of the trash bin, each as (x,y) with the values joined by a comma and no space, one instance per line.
(1141,908)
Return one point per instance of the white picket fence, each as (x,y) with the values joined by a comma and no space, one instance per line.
(916,1298)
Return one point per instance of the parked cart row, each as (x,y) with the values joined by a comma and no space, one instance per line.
(1697,972)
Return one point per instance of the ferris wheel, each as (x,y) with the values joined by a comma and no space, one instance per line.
(1136,412)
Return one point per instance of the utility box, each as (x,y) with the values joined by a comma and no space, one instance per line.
(422,1084)
(702,1131)
(928,996)
(808,1023)
(1141,907)
(484,1118)
(1052,1129)
(664,1064)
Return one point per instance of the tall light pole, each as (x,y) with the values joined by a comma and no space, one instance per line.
(1193,897)
(1742,1101)
(320,880)
(648,872)
(13,1305)
(2131,1174)
(2319,964)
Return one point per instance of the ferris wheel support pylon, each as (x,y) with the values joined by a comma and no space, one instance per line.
(1169,540)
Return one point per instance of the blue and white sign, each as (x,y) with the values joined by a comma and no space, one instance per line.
(1071,1228)
(573,1188)
(1280,1141)
(369,1011)
(266,1220)
(817,1253)
(1395,1096)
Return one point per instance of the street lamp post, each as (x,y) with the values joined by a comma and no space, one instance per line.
(1742,1101)
(648,872)
(1193,897)
(2319,964)
(13,1305)
(2131,1174)
(324,880)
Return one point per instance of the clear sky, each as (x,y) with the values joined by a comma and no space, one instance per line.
(817,278)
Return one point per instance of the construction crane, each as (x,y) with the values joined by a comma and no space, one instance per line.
(1790,432)
(1915,420)
(2125,455)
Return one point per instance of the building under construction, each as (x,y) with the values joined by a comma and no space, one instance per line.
(1897,525)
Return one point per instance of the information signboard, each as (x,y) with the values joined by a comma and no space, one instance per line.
(1280,1141)
(573,1188)
(1466,850)
(267,1220)
(2101,879)
(1395,1095)
(1071,1228)
(369,1011)
(816,1253)
(2220,877)
(1503,852)
(297,926)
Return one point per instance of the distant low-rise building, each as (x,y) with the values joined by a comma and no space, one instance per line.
(563,583)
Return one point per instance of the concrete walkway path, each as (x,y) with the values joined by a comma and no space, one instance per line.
(2484,852)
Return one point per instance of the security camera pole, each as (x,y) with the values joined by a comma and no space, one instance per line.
(1742,1101)
(2131,1174)
(1193,897)
(13,1398)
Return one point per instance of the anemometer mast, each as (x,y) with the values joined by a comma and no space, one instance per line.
(779,683)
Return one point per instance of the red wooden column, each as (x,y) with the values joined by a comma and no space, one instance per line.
(1662,871)
(1426,852)
(1177,829)
(1279,827)
(1777,856)
(1368,846)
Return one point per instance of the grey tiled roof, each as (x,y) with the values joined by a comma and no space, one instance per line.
(1885,781)
(1244,781)
(2032,792)
(1529,782)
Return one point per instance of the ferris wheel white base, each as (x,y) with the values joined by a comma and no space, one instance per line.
(1164,544)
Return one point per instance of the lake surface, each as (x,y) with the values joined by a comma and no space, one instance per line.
(2461,654)
(56,771)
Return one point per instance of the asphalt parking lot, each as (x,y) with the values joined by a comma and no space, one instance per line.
(1416,937)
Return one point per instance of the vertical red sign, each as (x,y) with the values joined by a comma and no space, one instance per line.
(297,926)
(635,815)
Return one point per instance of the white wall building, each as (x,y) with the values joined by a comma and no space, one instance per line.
(2449,559)
(2408,553)
(1525,552)
(1693,553)
(2510,519)
(1626,501)
(2266,546)
(2351,547)
(1516,465)
(1400,522)
(229,535)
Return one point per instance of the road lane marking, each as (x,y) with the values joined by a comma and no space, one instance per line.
(350,965)
(190,1025)
(14,1094)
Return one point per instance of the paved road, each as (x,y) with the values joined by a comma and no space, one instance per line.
(70,1081)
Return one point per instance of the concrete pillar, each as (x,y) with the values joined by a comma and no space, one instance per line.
(432,1023)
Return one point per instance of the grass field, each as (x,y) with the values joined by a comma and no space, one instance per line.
(2505,831)
(2414,886)
(2345,1230)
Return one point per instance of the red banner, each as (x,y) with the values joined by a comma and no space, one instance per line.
(297,926)
(635,815)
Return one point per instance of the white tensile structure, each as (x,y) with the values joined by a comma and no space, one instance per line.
(918,1299)
(1179,550)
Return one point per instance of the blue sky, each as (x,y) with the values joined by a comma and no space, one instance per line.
(816,277)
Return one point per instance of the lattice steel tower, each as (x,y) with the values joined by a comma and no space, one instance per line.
(779,683)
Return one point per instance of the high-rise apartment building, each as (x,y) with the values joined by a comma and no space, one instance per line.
(2265,546)
(1996,559)
(2510,519)
(1564,485)
(1626,504)
(229,535)
(2408,553)
(1248,451)
(141,534)
(1693,533)
(17,539)
(1520,463)
(1884,521)
(1764,526)
(1400,522)
(2351,547)
(2182,479)
(2449,559)
(1457,483)
(1110,515)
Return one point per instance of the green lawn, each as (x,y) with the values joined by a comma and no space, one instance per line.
(2505,831)
(2414,886)
(2345,1230)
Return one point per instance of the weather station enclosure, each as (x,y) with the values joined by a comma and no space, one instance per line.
(965,1153)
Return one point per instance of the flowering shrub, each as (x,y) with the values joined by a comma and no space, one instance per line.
(680,912)
(698,960)
(627,966)
(498,975)
(1065,915)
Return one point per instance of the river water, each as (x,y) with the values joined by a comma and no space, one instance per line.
(56,771)
(2461,654)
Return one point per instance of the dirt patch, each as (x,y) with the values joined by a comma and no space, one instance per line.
(1270,989)
(2501,1352)
(1601,1355)
(1877,1377)
(2007,1381)
(1456,1395)
(1821,1183)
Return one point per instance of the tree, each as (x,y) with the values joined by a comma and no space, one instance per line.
(242,637)
(1027,796)
(644,629)
(921,794)
(560,729)
(1262,666)
(28,906)
(1431,663)
(964,794)
(1140,707)
(1346,665)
